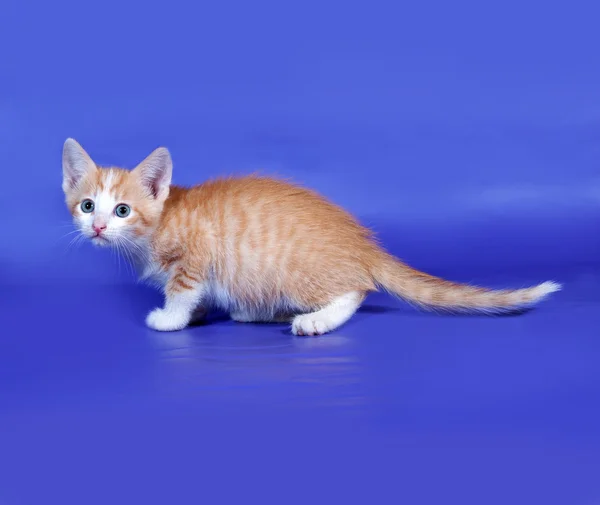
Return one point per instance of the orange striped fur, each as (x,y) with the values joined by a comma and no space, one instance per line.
(261,248)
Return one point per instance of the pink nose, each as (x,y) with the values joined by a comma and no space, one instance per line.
(99,228)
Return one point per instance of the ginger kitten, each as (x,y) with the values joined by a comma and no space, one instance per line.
(261,249)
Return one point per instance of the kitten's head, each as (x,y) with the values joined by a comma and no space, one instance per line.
(113,205)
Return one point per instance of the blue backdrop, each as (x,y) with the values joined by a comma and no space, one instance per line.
(467,134)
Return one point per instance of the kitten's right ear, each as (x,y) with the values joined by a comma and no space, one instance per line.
(76,164)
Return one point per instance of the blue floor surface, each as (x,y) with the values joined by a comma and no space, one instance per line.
(466,135)
(396,406)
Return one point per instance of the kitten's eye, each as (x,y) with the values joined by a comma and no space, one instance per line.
(87,206)
(122,210)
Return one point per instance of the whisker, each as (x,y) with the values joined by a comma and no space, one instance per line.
(141,250)
(118,250)
(123,251)
(133,247)
(62,237)
(128,245)
(75,242)
(131,260)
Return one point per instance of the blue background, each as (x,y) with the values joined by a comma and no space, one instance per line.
(467,134)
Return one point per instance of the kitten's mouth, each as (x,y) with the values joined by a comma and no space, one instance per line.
(99,239)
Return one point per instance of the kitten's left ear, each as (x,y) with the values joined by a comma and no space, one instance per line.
(155,173)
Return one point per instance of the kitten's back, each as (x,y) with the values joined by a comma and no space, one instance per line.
(266,238)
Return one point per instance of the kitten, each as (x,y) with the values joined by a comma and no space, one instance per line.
(261,249)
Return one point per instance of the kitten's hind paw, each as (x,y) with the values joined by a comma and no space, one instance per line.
(309,325)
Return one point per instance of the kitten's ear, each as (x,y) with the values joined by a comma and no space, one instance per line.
(155,173)
(76,164)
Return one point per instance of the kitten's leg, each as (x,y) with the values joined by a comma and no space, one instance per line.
(183,294)
(198,314)
(330,317)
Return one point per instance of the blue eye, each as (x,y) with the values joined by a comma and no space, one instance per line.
(87,206)
(122,210)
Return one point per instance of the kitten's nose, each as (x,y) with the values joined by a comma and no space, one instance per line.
(99,227)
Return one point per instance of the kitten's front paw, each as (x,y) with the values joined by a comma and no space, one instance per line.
(163,320)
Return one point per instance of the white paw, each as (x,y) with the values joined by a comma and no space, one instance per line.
(162,320)
(309,325)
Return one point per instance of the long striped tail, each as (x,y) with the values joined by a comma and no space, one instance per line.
(431,292)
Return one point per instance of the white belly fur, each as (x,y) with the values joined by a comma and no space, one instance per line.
(218,296)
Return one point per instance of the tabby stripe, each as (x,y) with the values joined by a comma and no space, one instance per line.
(183,284)
(188,276)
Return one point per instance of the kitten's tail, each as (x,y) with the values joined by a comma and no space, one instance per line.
(432,292)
